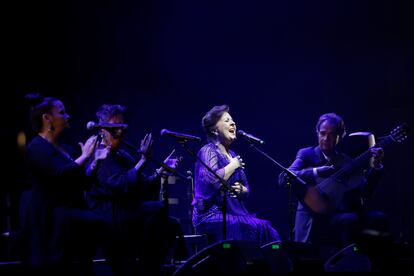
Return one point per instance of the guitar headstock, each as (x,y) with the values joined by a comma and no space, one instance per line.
(400,133)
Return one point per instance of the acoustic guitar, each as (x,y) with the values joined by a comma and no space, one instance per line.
(324,197)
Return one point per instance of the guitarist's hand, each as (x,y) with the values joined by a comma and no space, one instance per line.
(377,156)
(324,171)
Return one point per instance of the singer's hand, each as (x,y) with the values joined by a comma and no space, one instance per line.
(238,189)
(146,145)
(238,161)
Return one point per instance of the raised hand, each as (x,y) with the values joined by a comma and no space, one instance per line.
(146,145)
(89,147)
(87,150)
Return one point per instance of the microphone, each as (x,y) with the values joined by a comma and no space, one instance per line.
(250,137)
(180,136)
(108,126)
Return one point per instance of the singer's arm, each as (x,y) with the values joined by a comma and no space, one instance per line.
(210,157)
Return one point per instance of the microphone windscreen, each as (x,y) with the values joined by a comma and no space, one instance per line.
(90,125)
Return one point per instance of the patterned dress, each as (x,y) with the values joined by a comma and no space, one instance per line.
(207,204)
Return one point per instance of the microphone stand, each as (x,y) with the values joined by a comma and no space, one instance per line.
(292,179)
(164,178)
(224,188)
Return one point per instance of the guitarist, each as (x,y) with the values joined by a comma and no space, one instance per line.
(313,164)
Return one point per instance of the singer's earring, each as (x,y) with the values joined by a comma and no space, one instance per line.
(51,128)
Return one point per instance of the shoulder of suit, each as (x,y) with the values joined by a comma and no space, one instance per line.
(307,151)
(307,154)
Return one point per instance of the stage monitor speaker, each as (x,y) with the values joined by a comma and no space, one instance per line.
(305,257)
(387,256)
(348,259)
(277,258)
(230,257)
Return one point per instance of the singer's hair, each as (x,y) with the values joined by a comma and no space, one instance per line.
(107,111)
(212,117)
(334,119)
(39,105)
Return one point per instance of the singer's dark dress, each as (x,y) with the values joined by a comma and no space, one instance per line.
(55,224)
(207,212)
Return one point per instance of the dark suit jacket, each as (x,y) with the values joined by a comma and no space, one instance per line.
(119,191)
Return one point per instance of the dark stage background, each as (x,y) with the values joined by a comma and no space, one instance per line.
(278,64)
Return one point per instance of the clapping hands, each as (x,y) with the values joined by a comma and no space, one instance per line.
(89,146)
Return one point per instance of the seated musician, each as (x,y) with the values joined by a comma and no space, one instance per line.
(340,225)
